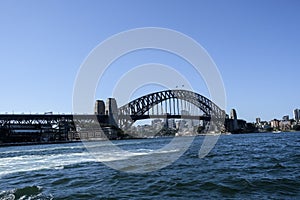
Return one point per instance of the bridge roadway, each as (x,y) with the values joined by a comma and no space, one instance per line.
(168,116)
(56,118)
(46,118)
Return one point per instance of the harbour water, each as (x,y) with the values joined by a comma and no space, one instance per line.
(241,166)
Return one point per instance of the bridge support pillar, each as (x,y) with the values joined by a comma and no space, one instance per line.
(99,107)
(111,110)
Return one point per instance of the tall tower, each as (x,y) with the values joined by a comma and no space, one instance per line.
(296,114)
(233,116)
(258,120)
(99,107)
(111,109)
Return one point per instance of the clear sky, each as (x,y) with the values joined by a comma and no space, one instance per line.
(255,44)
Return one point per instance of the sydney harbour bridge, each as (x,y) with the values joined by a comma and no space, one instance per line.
(179,104)
(168,104)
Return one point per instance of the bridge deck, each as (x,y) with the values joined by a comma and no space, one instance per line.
(140,117)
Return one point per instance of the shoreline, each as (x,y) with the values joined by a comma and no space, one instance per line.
(97,139)
(36,143)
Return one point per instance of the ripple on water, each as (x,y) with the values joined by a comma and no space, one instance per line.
(239,167)
(25,193)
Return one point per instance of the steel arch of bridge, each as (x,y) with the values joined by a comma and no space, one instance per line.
(140,106)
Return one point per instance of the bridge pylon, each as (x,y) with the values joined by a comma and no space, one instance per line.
(111,110)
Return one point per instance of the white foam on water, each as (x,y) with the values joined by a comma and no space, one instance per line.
(38,162)
(32,162)
(37,148)
(105,156)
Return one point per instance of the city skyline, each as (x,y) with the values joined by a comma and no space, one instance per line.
(254,45)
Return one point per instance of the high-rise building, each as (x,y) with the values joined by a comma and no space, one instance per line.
(297,114)
(286,118)
(258,120)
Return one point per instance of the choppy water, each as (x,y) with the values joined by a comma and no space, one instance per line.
(262,166)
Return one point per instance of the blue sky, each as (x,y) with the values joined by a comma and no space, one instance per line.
(255,44)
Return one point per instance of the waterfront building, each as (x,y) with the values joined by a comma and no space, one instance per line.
(169,123)
(275,124)
(172,124)
(285,125)
(157,124)
(187,123)
(286,118)
(181,125)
